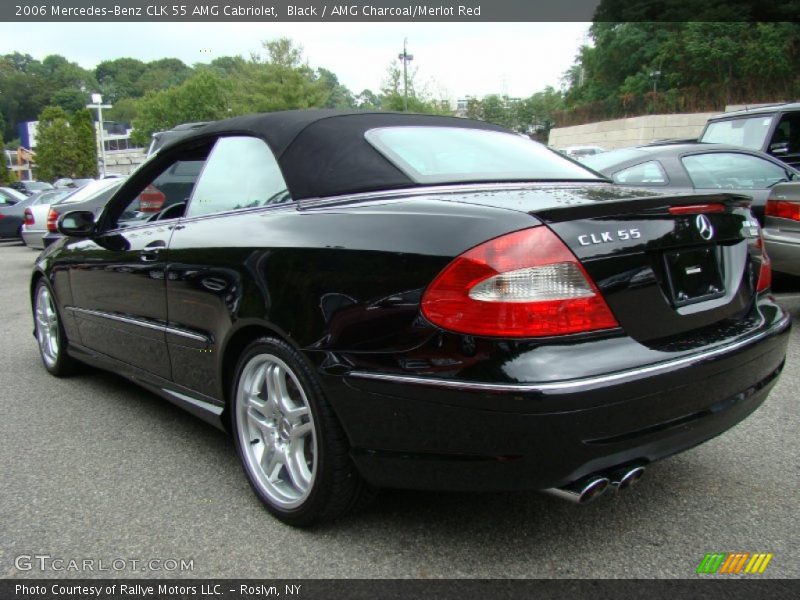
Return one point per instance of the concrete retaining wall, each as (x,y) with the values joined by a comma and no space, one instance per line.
(634,131)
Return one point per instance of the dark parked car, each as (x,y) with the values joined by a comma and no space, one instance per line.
(30,187)
(373,300)
(695,168)
(12,215)
(782,228)
(773,129)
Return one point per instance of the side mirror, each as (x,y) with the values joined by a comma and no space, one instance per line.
(779,148)
(77,223)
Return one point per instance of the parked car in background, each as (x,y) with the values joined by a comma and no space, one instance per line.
(396,300)
(36,214)
(773,129)
(30,187)
(92,197)
(579,152)
(12,215)
(696,168)
(782,228)
(11,196)
(162,138)
(68,182)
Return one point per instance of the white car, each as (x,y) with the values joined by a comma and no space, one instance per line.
(35,226)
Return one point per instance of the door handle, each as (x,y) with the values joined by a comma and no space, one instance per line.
(150,252)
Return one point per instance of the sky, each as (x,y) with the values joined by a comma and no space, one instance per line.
(453,59)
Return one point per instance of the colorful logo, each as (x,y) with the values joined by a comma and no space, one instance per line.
(734,563)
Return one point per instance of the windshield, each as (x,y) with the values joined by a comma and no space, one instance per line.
(38,185)
(750,132)
(90,189)
(434,155)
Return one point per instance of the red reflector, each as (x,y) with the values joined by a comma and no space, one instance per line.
(696,209)
(151,199)
(765,271)
(52,220)
(29,220)
(783,210)
(524,284)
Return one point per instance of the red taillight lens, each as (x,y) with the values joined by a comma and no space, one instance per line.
(765,271)
(29,220)
(696,209)
(52,220)
(524,284)
(151,199)
(782,209)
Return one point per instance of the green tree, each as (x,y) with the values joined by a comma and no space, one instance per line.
(280,81)
(83,137)
(55,150)
(203,97)
(339,96)
(393,93)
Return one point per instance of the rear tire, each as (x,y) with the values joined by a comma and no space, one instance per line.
(293,450)
(50,335)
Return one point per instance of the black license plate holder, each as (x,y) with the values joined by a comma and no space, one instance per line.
(694,275)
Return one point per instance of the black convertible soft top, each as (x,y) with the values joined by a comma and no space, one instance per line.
(324,152)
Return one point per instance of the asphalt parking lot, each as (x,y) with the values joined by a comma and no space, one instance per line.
(95,468)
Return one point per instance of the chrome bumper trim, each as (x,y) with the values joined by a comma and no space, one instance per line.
(576,384)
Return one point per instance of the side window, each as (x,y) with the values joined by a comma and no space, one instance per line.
(647,173)
(166,196)
(730,170)
(241,173)
(786,138)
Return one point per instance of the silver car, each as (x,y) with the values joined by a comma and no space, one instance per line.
(782,228)
(35,226)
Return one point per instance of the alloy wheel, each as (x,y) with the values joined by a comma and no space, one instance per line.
(276,430)
(47,326)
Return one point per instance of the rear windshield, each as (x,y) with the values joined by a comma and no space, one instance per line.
(610,160)
(750,133)
(434,155)
(90,190)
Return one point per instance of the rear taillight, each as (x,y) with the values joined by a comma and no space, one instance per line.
(52,220)
(29,220)
(151,199)
(765,271)
(524,284)
(783,209)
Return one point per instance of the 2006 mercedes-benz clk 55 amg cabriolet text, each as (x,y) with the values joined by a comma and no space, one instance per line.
(370,300)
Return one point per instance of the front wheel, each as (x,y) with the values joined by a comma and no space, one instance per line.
(292,448)
(50,334)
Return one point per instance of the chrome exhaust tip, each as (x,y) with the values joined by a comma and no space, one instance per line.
(626,478)
(581,492)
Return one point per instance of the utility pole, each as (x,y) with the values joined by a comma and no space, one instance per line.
(406,58)
(654,75)
(97,103)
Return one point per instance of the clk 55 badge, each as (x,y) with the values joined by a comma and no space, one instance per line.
(605,237)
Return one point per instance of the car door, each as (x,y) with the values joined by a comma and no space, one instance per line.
(117,277)
(736,172)
(231,221)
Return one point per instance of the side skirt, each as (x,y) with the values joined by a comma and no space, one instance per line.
(206,408)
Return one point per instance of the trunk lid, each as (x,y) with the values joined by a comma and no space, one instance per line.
(666,265)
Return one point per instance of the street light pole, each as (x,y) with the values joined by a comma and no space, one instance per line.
(97,103)
(406,58)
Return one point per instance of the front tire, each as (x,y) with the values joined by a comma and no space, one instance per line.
(293,450)
(50,334)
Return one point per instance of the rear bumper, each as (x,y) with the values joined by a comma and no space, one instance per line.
(33,239)
(783,248)
(424,433)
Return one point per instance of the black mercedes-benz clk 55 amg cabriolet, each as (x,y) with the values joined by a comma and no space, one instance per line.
(370,300)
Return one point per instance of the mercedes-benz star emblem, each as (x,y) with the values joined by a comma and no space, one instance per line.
(704,227)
